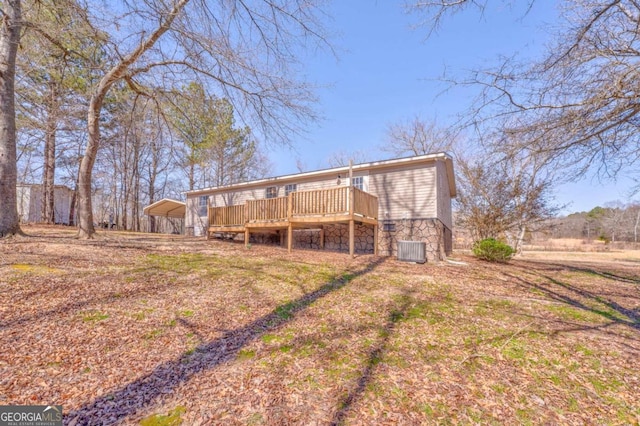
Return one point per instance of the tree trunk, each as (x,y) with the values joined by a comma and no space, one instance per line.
(9,39)
(72,209)
(152,182)
(192,174)
(125,184)
(520,239)
(85,208)
(135,207)
(48,177)
(86,228)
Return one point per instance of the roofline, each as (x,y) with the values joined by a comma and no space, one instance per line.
(163,201)
(427,158)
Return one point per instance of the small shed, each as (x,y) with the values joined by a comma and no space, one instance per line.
(30,203)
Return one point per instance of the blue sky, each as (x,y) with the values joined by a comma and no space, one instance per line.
(386,73)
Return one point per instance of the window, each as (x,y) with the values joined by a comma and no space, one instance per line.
(203,203)
(271,192)
(388,226)
(288,189)
(358,182)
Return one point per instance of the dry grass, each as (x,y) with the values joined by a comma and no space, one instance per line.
(577,245)
(617,257)
(133,328)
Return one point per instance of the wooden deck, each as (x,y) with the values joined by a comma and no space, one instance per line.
(304,209)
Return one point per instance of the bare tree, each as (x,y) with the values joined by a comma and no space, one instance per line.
(503,199)
(245,49)
(11,22)
(342,158)
(635,210)
(418,136)
(433,13)
(615,214)
(577,105)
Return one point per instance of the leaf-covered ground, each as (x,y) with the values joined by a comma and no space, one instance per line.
(148,329)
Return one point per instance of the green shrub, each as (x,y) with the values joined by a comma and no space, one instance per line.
(493,250)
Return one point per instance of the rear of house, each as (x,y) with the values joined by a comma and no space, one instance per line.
(413,204)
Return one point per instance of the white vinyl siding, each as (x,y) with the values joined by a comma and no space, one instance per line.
(319,184)
(405,193)
(238,197)
(404,190)
(193,220)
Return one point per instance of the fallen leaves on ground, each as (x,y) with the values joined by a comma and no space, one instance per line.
(131,326)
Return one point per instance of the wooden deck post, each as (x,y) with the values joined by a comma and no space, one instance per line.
(246,236)
(322,238)
(375,239)
(352,229)
(352,224)
(289,237)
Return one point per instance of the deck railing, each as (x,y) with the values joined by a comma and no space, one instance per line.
(321,202)
(365,204)
(267,209)
(227,216)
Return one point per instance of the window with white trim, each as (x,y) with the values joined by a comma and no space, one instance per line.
(288,189)
(203,203)
(271,192)
(358,182)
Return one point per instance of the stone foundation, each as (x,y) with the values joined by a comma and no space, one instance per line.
(431,231)
(335,237)
(305,239)
(262,238)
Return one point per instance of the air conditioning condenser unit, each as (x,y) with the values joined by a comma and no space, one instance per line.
(412,251)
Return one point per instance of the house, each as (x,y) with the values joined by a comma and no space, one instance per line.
(365,208)
(30,203)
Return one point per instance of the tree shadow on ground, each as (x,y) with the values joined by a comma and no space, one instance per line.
(574,296)
(373,359)
(65,305)
(603,274)
(113,407)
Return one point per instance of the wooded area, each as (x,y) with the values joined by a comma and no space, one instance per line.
(618,222)
(125,102)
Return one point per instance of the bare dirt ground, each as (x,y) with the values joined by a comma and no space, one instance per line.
(152,329)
